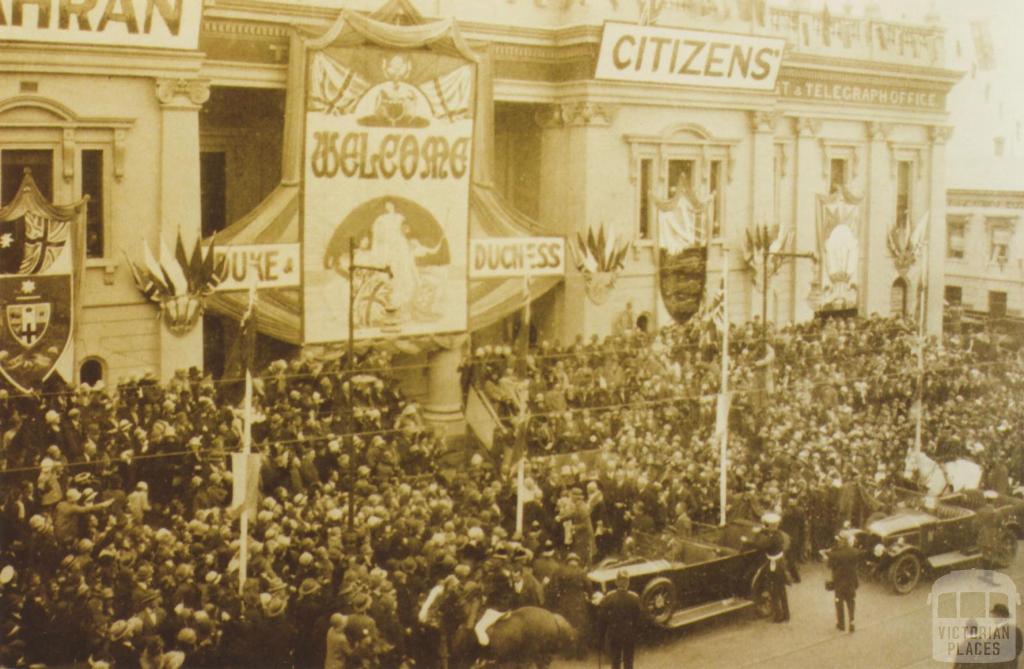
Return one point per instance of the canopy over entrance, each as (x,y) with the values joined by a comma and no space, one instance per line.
(276,219)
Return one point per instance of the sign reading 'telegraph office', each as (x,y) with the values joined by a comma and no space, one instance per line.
(657,54)
(166,24)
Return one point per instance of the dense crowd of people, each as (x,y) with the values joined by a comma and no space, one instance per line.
(119,543)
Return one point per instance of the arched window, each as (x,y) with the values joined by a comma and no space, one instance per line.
(898,298)
(91,371)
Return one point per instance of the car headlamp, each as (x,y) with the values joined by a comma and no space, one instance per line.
(879,550)
(597,598)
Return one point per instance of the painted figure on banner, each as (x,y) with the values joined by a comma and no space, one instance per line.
(396,102)
(389,147)
(402,238)
(838,224)
(37,249)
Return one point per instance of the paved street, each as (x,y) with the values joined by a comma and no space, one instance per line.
(892,632)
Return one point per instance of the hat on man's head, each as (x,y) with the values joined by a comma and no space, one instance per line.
(361,602)
(308,587)
(1001,611)
(187,635)
(117,630)
(275,608)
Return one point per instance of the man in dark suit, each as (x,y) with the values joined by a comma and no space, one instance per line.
(621,616)
(843,561)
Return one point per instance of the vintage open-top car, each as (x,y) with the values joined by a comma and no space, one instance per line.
(933,536)
(1010,509)
(685,579)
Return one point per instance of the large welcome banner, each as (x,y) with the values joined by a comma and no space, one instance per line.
(387,165)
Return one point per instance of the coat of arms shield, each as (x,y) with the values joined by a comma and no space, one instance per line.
(37,262)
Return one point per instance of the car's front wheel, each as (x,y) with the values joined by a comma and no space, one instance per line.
(659,601)
(905,573)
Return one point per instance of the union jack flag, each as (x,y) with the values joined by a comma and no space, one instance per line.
(44,241)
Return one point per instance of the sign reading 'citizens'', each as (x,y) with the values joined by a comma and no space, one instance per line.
(690,57)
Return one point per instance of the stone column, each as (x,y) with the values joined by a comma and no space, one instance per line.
(938,135)
(808,182)
(762,195)
(570,199)
(876,277)
(180,209)
(443,404)
(483,123)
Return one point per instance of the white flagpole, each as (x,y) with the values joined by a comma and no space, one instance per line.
(724,392)
(243,544)
(521,431)
(922,303)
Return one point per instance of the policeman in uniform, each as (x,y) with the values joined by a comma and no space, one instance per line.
(773,542)
(620,617)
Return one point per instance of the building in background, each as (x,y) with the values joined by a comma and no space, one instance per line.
(984,264)
(167,137)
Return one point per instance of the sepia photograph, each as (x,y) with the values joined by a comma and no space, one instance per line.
(511,334)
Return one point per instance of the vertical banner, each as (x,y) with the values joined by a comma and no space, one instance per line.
(388,146)
(36,295)
(245,484)
(839,220)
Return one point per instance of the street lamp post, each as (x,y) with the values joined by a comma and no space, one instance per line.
(350,442)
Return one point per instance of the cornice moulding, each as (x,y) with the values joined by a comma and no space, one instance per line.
(108,61)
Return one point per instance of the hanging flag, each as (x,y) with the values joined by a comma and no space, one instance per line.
(682,251)
(481,417)
(984,50)
(722,413)
(245,491)
(712,313)
(922,234)
(247,334)
(826,26)
(37,292)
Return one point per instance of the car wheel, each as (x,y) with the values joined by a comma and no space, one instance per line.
(659,601)
(904,573)
(1006,550)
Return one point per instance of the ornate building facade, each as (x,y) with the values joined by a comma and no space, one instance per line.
(170,138)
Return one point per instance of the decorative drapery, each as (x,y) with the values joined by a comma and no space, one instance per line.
(276,219)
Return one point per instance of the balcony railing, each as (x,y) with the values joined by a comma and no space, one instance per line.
(854,37)
(844,36)
(814,32)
